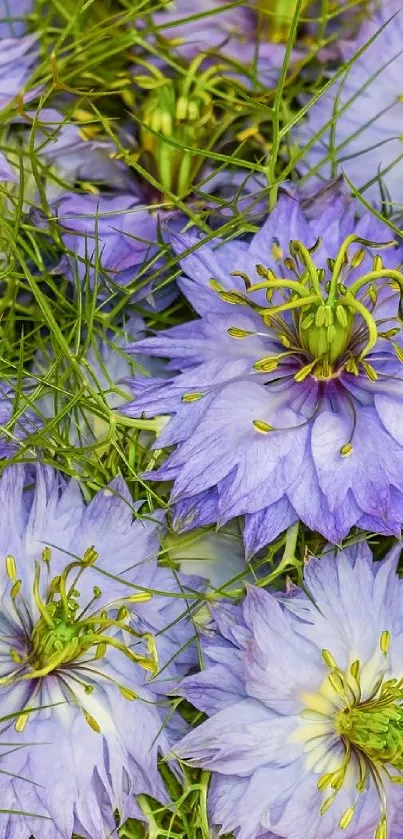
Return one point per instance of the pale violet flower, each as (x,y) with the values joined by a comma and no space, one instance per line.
(286,392)
(304,696)
(84,636)
(355,126)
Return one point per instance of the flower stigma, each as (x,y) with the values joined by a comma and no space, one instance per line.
(328,326)
(67,640)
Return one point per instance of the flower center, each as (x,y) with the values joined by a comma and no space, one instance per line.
(65,632)
(371,730)
(325,325)
(376,728)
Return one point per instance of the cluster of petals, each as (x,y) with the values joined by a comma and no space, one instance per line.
(95,724)
(277,404)
(221,399)
(352,128)
(272,728)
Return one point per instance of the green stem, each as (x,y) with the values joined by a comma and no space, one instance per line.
(277,109)
(153,828)
(290,543)
(142,424)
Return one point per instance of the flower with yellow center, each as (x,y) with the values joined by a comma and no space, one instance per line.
(84,631)
(287,390)
(304,698)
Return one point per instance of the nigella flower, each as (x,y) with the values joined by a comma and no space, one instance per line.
(119,239)
(287,391)
(72,148)
(356,119)
(305,699)
(82,636)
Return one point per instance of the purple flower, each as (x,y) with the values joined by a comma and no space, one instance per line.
(12,14)
(251,36)
(243,34)
(76,152)
(83,634)
(305,704)
(17,59)
(18,419)
(113,240)
(201,26)
(286,392)
(119,239)
(65,154)
(363,111)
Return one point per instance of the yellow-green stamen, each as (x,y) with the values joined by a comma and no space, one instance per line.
(371,729)
(64,634)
